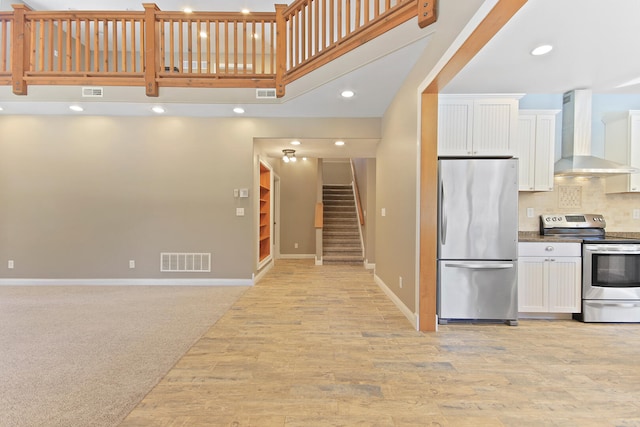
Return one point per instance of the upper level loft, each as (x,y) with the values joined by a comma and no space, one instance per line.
(154,48)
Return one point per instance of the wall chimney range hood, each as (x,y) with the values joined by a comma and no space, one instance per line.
(576,141)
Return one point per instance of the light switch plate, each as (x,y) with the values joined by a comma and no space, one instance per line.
(244,192)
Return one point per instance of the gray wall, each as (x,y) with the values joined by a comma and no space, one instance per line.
(396,162)
(336,172)
(297,206)
(81,196)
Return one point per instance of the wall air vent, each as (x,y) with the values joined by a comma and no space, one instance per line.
(265,93)
(92,92)
(183,262)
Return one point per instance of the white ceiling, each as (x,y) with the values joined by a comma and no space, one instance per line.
(595,46)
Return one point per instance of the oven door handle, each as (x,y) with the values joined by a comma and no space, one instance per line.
(610,252)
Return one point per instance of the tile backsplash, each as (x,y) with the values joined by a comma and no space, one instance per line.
(580,195)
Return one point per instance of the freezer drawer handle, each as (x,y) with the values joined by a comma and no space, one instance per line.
(481,266)
(612,304)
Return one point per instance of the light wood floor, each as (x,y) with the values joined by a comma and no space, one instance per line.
(323,346)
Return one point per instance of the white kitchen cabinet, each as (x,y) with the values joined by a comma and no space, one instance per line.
(549,277)
(536,138)
(622,145)
(477,126)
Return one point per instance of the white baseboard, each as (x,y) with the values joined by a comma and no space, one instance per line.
(126,282)
(413,318)
(297,256)
(257,277)
(369,265)
(318,261)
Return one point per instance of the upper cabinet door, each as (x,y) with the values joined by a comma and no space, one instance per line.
(455,132)
(535,141)
(477,126)
(494,127)
(622,145)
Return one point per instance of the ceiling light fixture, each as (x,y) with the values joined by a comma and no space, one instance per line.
(158,109)
(347,93)
(76,108)
(339,143)
(1,108)
(542,50)
(295,142)
(238,110)
(288,155)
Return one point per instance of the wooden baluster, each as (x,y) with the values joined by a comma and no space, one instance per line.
(281,49)
(96,46)
(87,51)
(78,46)
(150,49)
(19,49)
(209,35)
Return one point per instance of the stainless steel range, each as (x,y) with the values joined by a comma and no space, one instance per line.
(610,267)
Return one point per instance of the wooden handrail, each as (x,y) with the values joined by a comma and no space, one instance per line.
(158,48)
(319,220)
(357,193)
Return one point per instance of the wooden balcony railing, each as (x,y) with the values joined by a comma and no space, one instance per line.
(204,49)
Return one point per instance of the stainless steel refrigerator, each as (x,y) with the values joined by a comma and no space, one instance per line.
(478,240)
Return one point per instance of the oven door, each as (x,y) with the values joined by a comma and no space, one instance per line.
(611,271)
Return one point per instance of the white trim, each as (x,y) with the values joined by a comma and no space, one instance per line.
(413,318)
(318,260)
(297,256)
(260,275)
(126,282)
(369,265)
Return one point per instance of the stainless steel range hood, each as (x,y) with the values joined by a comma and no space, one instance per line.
(576,141)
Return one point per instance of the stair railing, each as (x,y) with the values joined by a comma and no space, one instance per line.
(154,48)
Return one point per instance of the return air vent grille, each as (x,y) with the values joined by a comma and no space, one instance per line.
(265,93)
(92,92)
(185,262)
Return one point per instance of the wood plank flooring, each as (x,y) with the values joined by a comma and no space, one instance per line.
(323,346)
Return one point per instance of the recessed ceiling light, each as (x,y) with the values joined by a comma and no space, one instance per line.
(1,108)
(339,143)
(238,110)
(295,142)
(158,109)
(76,108)
(245,11)
(347,93)
(542,50)
(187,10)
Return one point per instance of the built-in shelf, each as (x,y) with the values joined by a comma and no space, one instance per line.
(264,250)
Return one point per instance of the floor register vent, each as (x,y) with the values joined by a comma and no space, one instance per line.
(185,262)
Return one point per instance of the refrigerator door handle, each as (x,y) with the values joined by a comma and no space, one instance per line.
(443,228)
(475,266)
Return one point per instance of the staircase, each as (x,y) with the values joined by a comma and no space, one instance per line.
(340,232)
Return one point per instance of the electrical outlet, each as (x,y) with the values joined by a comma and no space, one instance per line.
(239,211)
(10,264)
(636,214)
(295,245)
(132,263)
(530,213)
(400,282)
(383,212)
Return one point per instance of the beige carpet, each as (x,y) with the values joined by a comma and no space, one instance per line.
(86,355)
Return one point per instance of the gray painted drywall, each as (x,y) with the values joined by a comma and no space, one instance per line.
(336,172)
(81,196)
(297,207)
(396,161)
